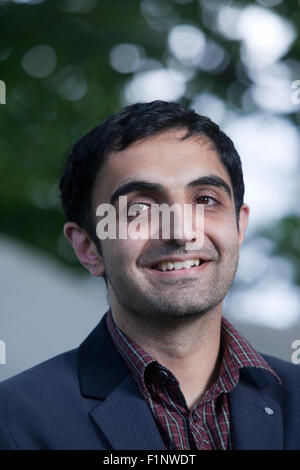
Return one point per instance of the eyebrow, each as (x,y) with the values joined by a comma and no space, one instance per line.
(131,186)
(212,180)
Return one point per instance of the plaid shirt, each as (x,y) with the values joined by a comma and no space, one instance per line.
(206,425)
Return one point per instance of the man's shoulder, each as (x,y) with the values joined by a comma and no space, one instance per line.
(51,373)
(58,377)
(287,368)
(288,372)
(43,407)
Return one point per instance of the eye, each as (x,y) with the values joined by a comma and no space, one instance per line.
(136,208)
(207,200)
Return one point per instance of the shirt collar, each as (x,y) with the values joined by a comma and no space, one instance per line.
(135,357)
(237,353)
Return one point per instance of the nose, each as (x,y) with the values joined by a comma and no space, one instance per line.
(187,226)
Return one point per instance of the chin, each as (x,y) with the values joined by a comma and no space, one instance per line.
(176,311)
(186,313)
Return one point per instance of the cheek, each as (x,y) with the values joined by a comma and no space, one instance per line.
(125,251)
(222,233)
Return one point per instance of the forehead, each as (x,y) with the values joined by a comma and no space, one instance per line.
(162,158)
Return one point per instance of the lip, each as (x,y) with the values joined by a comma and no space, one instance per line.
(187,272)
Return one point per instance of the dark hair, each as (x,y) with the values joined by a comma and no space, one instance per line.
(117,132)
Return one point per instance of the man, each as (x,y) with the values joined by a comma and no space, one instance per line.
(162,369)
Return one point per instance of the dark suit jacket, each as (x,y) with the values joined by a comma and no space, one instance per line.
(87,399)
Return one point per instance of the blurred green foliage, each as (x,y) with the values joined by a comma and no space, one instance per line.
(40,122)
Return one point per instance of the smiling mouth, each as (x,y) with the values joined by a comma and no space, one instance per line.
(178,265)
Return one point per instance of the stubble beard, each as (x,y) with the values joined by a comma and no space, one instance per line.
(183,301)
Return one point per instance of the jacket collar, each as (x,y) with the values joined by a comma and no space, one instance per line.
(123,416)
(100,367)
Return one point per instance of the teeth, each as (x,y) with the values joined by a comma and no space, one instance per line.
(168,266)
(188,263)
(178,265)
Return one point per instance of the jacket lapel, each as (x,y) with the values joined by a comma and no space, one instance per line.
(253,427)
(123,416)
(125,419)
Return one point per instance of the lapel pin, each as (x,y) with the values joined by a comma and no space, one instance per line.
(268,410)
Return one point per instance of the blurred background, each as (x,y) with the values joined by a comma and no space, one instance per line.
(67,64)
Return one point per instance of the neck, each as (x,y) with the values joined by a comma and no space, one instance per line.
(188,347)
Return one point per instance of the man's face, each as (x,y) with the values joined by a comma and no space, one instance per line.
(134,283)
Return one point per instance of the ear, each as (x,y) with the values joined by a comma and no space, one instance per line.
(243,222)
(84,248)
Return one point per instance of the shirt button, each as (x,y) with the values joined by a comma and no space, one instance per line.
(268,410)
(163,373)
